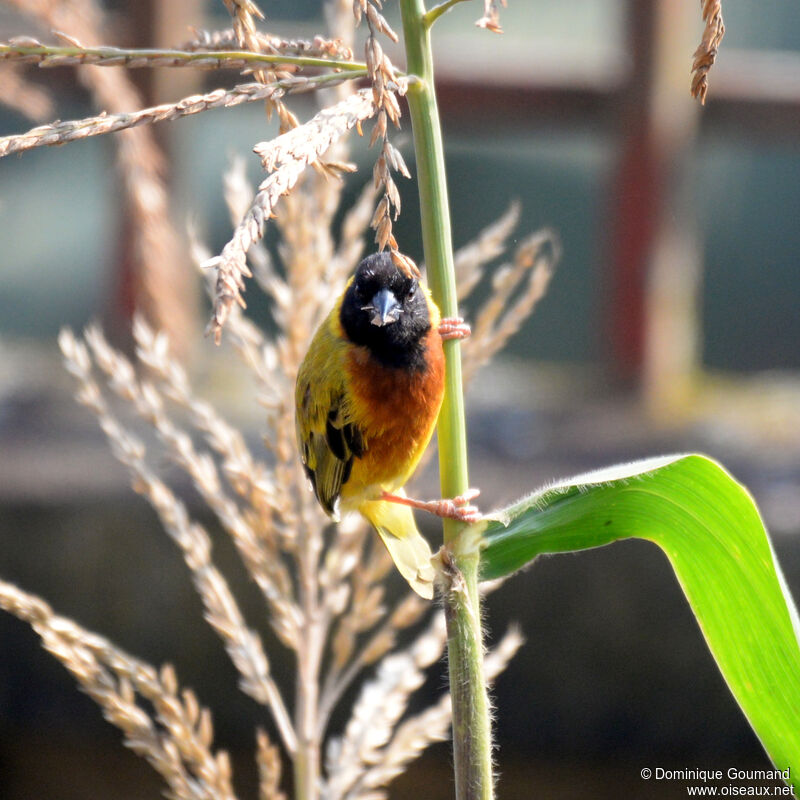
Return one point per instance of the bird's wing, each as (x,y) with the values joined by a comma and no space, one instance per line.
(327,439)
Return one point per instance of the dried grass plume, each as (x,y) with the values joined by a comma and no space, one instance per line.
(328,598)
(706,53)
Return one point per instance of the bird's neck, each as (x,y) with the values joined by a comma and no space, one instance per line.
(390,349)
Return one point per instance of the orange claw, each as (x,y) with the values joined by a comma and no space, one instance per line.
(458,508)
(454,328)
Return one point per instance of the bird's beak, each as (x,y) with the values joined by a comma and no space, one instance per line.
(384,307)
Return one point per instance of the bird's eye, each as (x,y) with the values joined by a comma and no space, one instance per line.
(412,290)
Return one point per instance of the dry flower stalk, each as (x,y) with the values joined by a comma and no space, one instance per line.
(528,276)
(175,738)
(706,53)
(378,709)
(470,261)
(491,16)
(326,595)
(268,760)
(244,14)
(29,50)
(319,47)
(59,133)
(222,613)
(385,85)
(288,155)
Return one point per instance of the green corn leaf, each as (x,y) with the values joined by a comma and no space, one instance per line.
(711,531)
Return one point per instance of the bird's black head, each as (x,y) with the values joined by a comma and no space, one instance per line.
(386,311)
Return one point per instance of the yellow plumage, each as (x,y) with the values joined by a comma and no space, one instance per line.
(362,427)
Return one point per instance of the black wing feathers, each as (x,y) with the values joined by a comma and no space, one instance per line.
(335,436)
(328,457)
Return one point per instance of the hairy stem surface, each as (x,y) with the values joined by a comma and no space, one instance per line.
(471,722)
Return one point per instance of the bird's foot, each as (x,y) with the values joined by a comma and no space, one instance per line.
(458,508)
(454,328)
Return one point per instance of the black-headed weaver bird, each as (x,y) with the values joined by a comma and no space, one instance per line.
(367,399)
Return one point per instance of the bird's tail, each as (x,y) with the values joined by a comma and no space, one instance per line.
(406,545)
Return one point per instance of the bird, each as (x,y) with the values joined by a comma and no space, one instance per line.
(367,398)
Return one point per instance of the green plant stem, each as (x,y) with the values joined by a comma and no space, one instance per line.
(471,720)
(48,55)
(436,240)
(437,11)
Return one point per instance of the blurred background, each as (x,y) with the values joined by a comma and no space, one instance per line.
(672,324)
